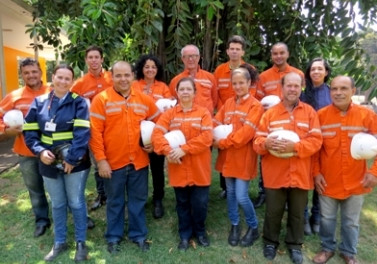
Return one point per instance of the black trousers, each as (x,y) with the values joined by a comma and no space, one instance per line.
(158,177)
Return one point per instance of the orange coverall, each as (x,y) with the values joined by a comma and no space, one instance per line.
(292,172)
(89,86)
(157,91)
(270,81)
(196,125)
(244,115)
(206,92)
(342,173)
(115,127)
(20,99)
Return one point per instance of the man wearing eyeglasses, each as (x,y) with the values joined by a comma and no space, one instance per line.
(206,93)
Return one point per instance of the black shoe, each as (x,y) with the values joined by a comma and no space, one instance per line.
(234,235)
(296,256)
(223,194)
(143,245)
(158,209)
(90,223)
(248,239)
(40,230)
(269,252)
(81,251)
(203,241)
(113,247)
(260,200)
(307,228)
(183,244)
(98,202)
(56,250)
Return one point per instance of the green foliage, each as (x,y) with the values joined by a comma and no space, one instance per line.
(127,29)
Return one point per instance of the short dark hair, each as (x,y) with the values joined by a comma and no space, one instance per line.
(141,63)
(94,47)
(64,66)
(280,44)
(29,61)
(237,39)
(191,80)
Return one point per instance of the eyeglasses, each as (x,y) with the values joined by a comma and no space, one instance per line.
(193,56)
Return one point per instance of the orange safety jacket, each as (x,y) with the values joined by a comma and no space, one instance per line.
(115,127)
(89,85)
(206,93)
(342,173)
(270,81)
(223,75)
(196,125)
(237,157)
(158,90)
(20,99)
(294,172)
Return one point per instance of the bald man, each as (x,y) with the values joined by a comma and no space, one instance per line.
(115,116)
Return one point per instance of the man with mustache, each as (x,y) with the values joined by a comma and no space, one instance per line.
(287,180)
(340,180)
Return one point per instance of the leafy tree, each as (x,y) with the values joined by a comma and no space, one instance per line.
(126,29)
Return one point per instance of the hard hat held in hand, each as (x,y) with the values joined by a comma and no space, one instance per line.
(284,134)
(175,138)
(269,101)
(363,146)
(222,131)
(165,103)
(13,118)
(146,129)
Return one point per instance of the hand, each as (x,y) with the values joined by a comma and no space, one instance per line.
(47,157)
(369,181)
(320,183)
(170,160)
(176,153)
(67,167)
(215,143)
(13,131)
(148,148)
(104,169)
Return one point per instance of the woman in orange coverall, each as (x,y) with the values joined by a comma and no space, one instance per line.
(244,112)
(149,75)
(189,165)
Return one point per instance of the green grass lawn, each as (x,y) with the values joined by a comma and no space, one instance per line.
(17,244)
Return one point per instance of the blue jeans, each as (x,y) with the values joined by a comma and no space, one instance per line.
(192,203)
(316,216)
(350,209)
(135,184)
(68,191)
(34,184)
(238,194)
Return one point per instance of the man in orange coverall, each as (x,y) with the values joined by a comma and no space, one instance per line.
(287,180)
(206,93)
(88,86)
(235,50)
(115,116)
(270,84)
(340,180)
(21,99)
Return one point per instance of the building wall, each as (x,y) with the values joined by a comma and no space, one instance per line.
(11,57)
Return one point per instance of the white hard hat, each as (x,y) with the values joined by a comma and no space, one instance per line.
(222,131)
(363,146)
(269,101)
(13,118)
(284,134)
(165,103)
(175,138)
(146,129)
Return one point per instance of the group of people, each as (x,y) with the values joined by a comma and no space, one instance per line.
(104,110)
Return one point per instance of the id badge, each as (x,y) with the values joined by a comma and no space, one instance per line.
(50,126)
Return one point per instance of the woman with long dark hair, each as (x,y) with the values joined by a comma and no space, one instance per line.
(317,94)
